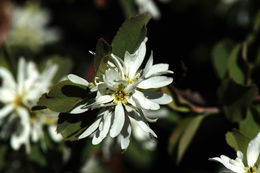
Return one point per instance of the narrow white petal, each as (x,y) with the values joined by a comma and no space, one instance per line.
(77,80)
(143,125)
(90,129)
(54,134)
(156,69)
(104,99)
(153,10)
(144,102)
(148,64)
(155,82)
(160,98)
(118,122)
(7,95)
(7,78)
(33,76)
(102,133)
(96,138)
(21,74)
(253,150)
(134,61)
(49,73)
(5,111)
(226,161)
(79,109)
(125,137)
(23,135)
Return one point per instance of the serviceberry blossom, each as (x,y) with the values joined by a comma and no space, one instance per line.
(17,97)
(29,27)
(239,165)
(124,93)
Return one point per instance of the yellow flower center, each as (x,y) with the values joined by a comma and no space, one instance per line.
(251,169)
(120,96)
(129,80)
(18,101)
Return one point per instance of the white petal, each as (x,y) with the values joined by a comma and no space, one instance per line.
(160,98)
(253,150)
(112,78)
(226,162)
(49,73)
(125,137)
(144,102)
(90,129)
(21,74)
(134,61)
(23,136)
(33,75)
(79,109)
(148,64)
(54,134)
(143,125)
(153,10)
(7,79)
(104,99)
(155,82)
(98,137)
(157,69)
(77,80)
(5,110)
(7,95)
(118,122)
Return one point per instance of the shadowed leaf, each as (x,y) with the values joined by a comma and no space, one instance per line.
(130,35)
(236,99)
(63,96)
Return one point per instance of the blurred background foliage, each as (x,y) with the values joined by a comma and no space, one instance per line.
(212,47)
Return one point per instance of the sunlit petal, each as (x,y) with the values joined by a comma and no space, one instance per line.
(118,122)
(155,82)
(77,80)
(253,150)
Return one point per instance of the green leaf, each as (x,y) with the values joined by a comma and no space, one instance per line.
(64,96)
(3,152)
(3,60)
(37,155)
(176,134)
(220,55)
(256,27)
(130,35)
(129,8)
(237,140)
(188,135)
(103,50)
(70,126)
(249,126)
(237,65)
(183,134)
(236,99)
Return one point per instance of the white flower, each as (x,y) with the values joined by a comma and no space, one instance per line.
(28,27)
(238,165)
(18,97)
(122,96)
(148,6)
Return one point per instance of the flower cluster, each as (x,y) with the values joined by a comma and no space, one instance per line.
(124,95)
(17,121)
(29,23)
